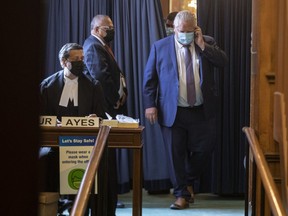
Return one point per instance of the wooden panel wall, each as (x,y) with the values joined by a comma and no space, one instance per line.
(263,71)
(282,51)
(165,7)
(269,73)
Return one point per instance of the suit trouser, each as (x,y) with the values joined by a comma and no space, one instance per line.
(112,183)
(189,144)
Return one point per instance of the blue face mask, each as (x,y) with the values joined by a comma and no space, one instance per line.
(185,38)
(169,31)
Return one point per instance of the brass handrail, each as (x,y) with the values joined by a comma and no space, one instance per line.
(266,177)
(81,200)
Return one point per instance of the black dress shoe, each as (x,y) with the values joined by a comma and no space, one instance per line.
(179,204)
(120,204)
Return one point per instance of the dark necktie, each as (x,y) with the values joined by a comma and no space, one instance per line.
(109,50)
(190,81)
(107,47)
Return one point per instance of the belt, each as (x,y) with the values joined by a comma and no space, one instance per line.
(192,108)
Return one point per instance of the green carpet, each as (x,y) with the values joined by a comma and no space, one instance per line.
(205,205)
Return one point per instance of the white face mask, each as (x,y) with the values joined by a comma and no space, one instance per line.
(185,38)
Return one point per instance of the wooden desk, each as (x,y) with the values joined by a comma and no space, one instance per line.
(130,138)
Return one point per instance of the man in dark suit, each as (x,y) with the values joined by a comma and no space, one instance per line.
(69,92)
(179,92)
(102,66)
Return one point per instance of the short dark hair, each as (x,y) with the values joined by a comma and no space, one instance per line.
(171,16)
(64,52)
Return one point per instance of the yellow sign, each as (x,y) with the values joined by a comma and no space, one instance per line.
(49,121)
(80,122)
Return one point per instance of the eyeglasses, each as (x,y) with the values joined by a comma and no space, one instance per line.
(106,27)
(76,58)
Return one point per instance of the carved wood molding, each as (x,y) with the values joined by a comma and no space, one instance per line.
(272,157)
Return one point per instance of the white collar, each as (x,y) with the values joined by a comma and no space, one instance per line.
(70,91)
(100,39)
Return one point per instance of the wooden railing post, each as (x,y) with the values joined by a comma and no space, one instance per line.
(280,136)
(81,200)
(265,174)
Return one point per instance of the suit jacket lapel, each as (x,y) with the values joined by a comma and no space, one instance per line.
(198,53)
(172,54)
(81,95)
(110,53)
(59,87)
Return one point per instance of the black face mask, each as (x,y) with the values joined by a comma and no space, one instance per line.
(109,35)
(77,68)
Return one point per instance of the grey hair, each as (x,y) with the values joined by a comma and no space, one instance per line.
(96,21)
(64,52)
(184,16)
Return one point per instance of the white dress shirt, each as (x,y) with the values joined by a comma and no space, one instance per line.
(182,98)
